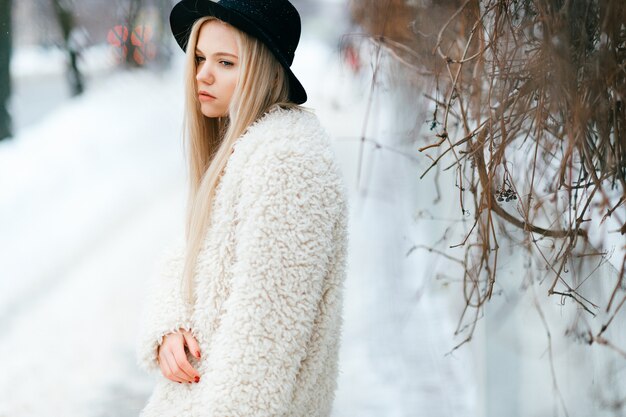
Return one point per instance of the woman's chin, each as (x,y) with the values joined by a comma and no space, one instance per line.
(210,111)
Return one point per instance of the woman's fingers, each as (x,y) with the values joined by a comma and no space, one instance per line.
(192,344)
(166,369)
(186,370)
(173,360)
(177,370)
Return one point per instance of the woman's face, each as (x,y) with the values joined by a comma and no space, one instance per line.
(217,67)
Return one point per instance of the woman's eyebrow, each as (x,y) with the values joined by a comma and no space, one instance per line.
(220,53)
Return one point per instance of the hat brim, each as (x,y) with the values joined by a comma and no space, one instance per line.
(186,12)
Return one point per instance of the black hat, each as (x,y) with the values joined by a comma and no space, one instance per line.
(274,22)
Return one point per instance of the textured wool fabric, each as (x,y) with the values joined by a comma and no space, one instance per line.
(269,282)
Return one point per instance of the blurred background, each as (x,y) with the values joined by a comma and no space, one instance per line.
(92,192)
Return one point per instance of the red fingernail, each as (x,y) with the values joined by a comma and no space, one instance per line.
(197,379)
(197,353)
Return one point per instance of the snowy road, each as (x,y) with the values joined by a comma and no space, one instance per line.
(89,198)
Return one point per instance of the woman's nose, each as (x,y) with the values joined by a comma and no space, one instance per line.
(205,75)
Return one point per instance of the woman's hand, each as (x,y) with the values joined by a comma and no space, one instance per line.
(173,359)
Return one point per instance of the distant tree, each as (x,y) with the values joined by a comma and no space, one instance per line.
(141,37)
(63,10)
(5,76)
(132,19)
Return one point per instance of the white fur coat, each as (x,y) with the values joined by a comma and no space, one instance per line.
(269,282)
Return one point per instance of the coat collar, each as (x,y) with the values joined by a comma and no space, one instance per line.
(280,124)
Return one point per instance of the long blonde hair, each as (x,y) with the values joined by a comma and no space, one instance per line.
(262,84)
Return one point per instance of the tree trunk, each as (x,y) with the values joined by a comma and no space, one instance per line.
(132,19)
(65,18)
(5,76)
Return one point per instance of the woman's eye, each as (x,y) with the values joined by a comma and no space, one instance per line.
(198,58)
(226,63)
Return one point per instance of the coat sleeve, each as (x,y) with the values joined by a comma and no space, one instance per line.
(282,251)
(163,309)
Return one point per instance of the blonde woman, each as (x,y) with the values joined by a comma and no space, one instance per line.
(245,318)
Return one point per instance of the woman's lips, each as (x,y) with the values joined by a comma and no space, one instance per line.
(204,96)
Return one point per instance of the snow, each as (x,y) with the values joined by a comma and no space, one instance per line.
(72,177)
(87,198)
(37,61)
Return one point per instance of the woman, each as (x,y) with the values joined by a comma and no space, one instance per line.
(245,318)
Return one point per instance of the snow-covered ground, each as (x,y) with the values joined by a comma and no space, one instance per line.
(39,83)
(88,197)
(92,195)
